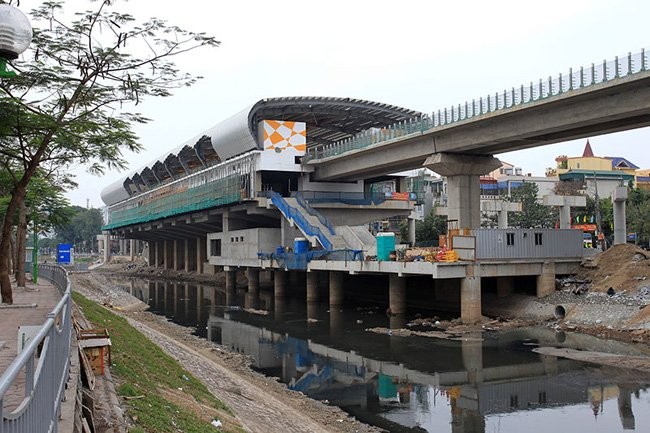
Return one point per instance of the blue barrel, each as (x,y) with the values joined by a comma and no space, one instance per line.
(385,244)
(300,245)
(279,250)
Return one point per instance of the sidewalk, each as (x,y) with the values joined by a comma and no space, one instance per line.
(30,308)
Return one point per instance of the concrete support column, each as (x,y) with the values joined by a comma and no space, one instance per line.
(132,249)
(167,262)
(396,294)
(502,219)
(463,184)
(619,196)
(151,248)
(411,231)
(186,254)
(231,280)
(253,276)
(470,295)
(505,286)
(107,247)
(546,281)
(280,283)
(201,250)
(565,203)
(336,289)
(312,287)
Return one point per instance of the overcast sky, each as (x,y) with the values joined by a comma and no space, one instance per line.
(422,55)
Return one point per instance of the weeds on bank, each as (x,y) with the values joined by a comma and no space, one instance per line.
(159,394)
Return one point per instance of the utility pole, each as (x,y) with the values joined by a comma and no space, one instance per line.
(599,229)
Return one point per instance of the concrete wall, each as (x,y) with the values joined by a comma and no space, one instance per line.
(305,184)
(245,244)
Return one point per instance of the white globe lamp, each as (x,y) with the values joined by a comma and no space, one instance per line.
(15,35)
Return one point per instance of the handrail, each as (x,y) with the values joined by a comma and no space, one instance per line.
(45,371)
(299,218)
(525,94)
(313,212)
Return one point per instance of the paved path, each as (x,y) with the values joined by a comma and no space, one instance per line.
(30,308)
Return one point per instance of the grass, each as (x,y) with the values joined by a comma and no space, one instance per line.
(164,397)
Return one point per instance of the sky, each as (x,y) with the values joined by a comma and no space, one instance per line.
(422,55)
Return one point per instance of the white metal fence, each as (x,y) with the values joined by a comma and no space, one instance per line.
(44,365)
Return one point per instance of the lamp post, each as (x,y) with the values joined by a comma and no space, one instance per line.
(15,36)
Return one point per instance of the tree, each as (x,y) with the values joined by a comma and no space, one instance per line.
(638,214)
(81,229)
(68,103)
(534,214)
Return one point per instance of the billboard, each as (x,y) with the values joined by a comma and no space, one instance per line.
(64,253)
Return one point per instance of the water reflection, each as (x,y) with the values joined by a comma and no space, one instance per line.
(485,383)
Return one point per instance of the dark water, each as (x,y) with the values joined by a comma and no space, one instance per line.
(414,384)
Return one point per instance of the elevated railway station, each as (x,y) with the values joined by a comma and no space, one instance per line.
(286,185)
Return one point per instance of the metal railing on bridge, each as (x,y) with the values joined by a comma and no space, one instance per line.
(44,365)
(573,81)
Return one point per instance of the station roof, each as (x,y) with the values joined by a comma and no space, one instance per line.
(328,120)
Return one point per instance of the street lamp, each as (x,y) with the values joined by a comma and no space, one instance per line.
(15,36)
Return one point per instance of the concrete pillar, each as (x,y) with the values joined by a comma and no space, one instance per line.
(546,280)
(463,184)
(470,295)
(619,196)
(280,283)
(166,256)
(565,203)
(107,247)
(186,254)
(397,294)
(253,276)
(131,249)
(279,306)
(231,280)
(201,250)
(157,253)
(336,322)
(312,287)
(505,286)
(151,249)
(336,289)
(313,312)
(411,231)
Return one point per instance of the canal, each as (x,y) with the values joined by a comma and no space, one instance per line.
(488,382)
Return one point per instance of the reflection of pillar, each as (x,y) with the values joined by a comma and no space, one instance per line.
(397,294)
(253,276)
(470,295)
(280,282)
(625,408)
(176,297)
(312,286)
(336,289)
(619,195)
(546,280)
(336,322)
(472,350)
(186,300)
(463,184)
(505,286)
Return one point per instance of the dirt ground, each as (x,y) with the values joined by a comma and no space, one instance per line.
(260,403)
(623,267)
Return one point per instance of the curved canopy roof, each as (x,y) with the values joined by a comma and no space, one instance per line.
(328,120)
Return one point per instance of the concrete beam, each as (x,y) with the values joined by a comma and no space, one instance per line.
(565,203)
